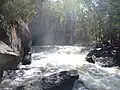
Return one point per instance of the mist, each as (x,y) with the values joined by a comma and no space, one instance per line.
(56,24)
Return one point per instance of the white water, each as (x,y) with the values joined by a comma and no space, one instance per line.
(50,59)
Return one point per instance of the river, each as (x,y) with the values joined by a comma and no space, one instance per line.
(47,60)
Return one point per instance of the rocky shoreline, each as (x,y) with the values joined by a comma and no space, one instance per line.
(15,44)
(63,80)
(105,54)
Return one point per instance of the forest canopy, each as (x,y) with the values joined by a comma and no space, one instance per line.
(60,21)
(67,21)
(77,20)
(16,9)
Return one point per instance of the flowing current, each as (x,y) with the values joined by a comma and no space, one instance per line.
(47,60)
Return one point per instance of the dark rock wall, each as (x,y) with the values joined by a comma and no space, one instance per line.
(15,37)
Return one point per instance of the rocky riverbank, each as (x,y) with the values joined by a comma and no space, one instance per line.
(64,80)
(15,46)
(105,54)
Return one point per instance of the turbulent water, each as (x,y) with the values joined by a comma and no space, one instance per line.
(50,59)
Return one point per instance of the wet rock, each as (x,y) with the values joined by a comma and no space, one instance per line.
(15,44)
(20,87)
(104,54)
(27,59)
(89,56)
(24,34)
(59,81)
(1,18)
(8,58)
(79,85)
(7,55)
(62,81)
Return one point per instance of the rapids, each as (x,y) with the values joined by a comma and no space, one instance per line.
(47,60)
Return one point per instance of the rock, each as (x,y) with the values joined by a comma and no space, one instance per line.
(8,58)
(15,47)
(104,54)
(97,52)
(15,44)
(27,60)
(79,85)
(20,87)
(24,34)
(63,80)
(5,35)
(1,75)
(7,55)
(89,56)
(1,18)
(117,59)
(90,60)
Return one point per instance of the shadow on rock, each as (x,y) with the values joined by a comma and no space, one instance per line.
(104,54)
(63,80)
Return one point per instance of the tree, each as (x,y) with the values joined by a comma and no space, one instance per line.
(15,9)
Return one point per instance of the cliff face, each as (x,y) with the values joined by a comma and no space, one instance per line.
(14,44)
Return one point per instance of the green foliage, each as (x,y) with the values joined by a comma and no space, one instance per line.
(65,17)
(107,20)
(15,9)
(82,19)
(72,6)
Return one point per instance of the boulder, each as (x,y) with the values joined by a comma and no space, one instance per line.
(7,55)
(14,45)
(104,55)
(24,34)
(63,80)
(9,60)
(15,42)
(27,59)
